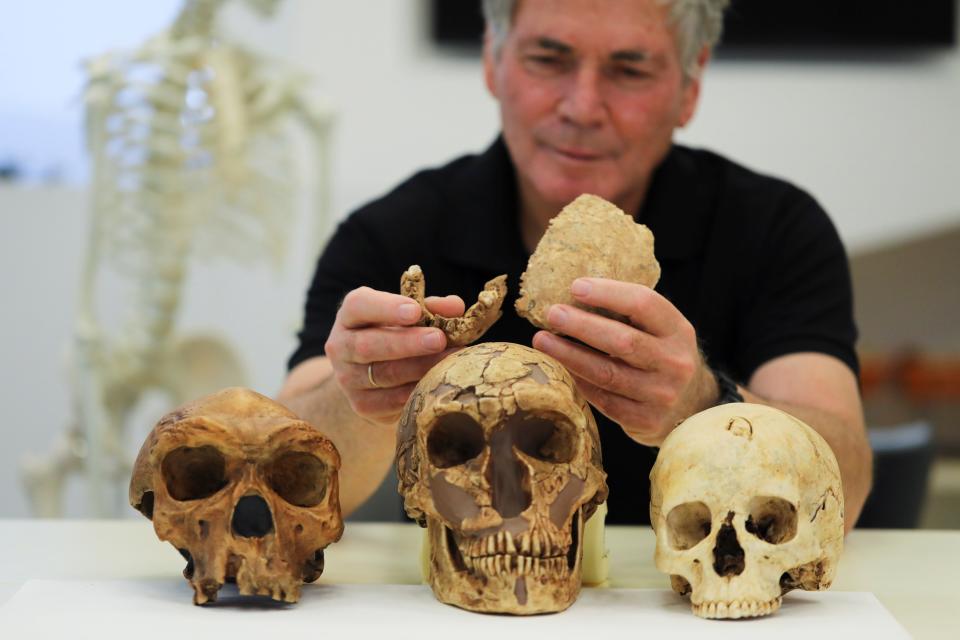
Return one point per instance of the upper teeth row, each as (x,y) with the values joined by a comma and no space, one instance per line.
(736,608)
(530,543)
(521,565)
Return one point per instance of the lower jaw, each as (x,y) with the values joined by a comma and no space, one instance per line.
(507,594)
(500,591)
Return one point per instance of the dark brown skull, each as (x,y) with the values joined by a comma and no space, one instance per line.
(245,490)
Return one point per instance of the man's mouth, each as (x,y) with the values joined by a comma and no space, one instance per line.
(578,155)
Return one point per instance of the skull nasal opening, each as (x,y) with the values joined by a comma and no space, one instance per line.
(251,517)
(728,556)
(508,475)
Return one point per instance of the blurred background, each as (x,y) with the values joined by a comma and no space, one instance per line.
(858,105)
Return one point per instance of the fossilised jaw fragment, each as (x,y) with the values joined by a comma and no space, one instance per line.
(589,237)
(245,490)
(498,456)
(473,324)
(746,503)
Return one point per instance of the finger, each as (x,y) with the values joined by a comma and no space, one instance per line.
(634,418)
(646,309)
(389,374)
(376,344)
(364,307)
(448,306)
(599,369)
(381,404)
(631,345)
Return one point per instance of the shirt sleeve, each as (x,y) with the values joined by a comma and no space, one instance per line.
(802,296)
(351,259)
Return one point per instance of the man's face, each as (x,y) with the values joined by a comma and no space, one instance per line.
(590,92)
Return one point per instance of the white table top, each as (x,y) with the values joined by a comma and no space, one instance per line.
(913,573)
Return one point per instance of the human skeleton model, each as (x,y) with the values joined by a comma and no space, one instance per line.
(189,137)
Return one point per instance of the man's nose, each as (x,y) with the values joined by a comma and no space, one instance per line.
(582,103)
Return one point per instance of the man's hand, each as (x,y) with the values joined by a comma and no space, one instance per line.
(378,356)
(647,375)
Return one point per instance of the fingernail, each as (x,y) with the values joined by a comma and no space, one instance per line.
(557,316)
(543,340)
(409,312)
(432,341)
(580,287)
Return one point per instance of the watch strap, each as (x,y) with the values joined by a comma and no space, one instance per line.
(727,388)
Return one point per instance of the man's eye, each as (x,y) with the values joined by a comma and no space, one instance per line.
(545,62)
(631,73)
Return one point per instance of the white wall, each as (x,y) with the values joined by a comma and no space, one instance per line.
(877,143)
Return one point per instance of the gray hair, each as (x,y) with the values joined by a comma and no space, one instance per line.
(698,24)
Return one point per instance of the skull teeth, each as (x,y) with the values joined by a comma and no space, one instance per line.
(511,548)
(736,608)
(516,564)
(503,542)
(531,553)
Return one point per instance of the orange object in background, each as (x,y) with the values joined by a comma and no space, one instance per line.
(920,378)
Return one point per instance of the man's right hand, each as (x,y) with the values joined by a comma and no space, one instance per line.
(378,356)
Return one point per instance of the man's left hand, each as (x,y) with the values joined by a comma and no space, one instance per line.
(647,375)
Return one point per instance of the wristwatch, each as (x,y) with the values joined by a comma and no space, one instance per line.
(727,387)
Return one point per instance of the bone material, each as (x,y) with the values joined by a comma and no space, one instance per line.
(245,490)
(589,237)
(596,557)
(191,139)
(747,504)
(473,324)
(498,456)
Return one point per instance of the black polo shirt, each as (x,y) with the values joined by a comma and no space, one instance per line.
(753,262)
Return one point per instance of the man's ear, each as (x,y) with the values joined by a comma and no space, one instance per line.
(691,90)
(489,62)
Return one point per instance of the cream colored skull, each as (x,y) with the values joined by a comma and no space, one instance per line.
(498,456)
(747,504)
(245,490)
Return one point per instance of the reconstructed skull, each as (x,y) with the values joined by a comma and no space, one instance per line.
(747,505)
(245,490)
(498,456)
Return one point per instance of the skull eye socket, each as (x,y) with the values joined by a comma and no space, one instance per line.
(545,440)
(194,473)
(688,524)
(454,439)
(298,477)
(771,519)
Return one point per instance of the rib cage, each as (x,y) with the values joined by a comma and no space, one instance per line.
(189,138)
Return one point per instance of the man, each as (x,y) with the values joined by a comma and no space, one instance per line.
(590,92)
